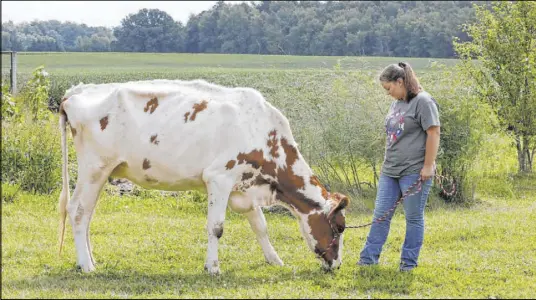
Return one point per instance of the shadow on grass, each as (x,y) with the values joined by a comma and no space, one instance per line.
(383,279)
(114,282)
(68,280)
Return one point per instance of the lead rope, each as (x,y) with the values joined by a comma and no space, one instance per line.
(417,184)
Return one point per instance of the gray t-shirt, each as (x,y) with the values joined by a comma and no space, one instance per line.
(406,125)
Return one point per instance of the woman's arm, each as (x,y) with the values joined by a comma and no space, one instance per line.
(432,145)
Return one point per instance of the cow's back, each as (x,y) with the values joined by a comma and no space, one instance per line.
(165,133)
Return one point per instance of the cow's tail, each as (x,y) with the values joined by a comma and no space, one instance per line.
(65,195)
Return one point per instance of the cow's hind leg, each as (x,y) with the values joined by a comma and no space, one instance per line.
(218,189)
(258,224)
(81,207)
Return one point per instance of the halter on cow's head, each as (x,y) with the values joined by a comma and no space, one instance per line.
(322,230)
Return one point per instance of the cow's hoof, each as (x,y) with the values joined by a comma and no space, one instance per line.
(85,268)
(213,268)
(276,261)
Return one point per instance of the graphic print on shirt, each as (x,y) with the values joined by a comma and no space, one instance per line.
(394,126)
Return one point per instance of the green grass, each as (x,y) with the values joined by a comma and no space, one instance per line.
(154,247)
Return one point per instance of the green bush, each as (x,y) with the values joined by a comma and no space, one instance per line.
(465,124)
(34,95)
(31,155)
(31,152)
(8,105)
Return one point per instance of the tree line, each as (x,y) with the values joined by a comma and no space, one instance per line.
(364,28)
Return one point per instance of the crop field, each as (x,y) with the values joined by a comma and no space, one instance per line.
(80,62)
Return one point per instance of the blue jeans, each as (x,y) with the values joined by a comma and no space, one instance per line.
(389,191)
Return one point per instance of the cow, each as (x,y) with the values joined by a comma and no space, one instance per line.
(179,135)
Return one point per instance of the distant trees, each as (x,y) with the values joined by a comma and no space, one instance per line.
(55,36)
(386,28)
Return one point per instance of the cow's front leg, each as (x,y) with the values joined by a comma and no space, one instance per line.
(258,224)
(218,197)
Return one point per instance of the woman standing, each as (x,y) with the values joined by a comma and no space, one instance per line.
(412,127)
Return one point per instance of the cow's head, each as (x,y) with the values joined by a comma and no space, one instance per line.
(323,230)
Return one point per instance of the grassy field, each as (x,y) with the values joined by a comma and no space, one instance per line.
(77,62)
(155,248)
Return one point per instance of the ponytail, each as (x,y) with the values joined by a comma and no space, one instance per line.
(402,70)
(411,83)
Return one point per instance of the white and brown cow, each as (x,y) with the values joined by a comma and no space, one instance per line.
(182,135)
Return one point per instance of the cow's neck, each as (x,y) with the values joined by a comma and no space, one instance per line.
(298,201)
(296,184)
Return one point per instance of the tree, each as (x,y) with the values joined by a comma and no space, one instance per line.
(504,45)
(150,30)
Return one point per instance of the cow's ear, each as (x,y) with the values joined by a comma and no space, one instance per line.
(341,202)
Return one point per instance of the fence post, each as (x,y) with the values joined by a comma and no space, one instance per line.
(13,73)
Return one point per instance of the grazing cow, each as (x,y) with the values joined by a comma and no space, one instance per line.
(182,135)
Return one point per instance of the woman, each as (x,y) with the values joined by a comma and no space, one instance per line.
(412,127)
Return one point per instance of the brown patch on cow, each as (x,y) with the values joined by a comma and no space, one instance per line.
(290,151)
(255,158)
(247,176)
(150,179)
(314,181)
(73,131)
(151,105)
(287,174)
(286,183)
(269,168)
(79,214)
(154,140)
(230,164)
(323,234)
(259,180)
(146,164)
(103,123)
(198,108)
(272,143)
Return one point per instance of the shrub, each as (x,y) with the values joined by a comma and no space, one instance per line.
(8,105)
(465,124)
(31,155)
(31,152)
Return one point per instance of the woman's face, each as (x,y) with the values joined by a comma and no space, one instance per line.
(395,89)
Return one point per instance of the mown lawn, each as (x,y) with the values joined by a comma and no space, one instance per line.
(155,248)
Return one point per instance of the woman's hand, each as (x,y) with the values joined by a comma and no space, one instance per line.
(432,144)
(427,172)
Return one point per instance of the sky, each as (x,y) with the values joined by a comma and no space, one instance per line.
(97,13)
